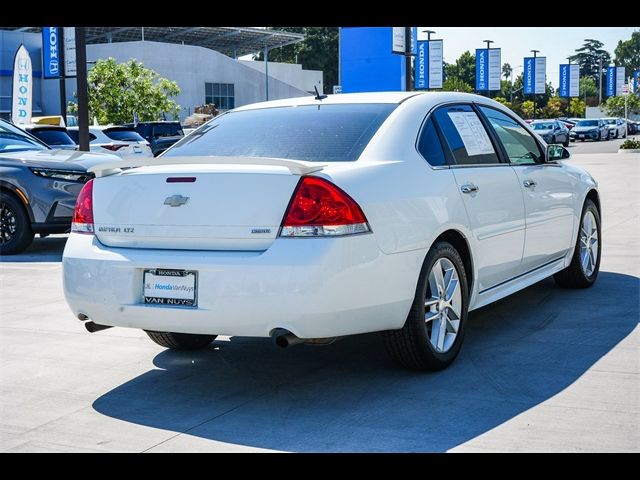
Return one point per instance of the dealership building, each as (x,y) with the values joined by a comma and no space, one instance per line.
(204,62)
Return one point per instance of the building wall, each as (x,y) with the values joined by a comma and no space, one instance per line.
(190,67)
(291,73)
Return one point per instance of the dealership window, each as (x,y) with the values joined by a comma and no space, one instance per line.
(222,94)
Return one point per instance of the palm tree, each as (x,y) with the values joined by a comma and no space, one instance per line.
(506,71)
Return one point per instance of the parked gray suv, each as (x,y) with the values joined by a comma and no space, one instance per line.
(38,187)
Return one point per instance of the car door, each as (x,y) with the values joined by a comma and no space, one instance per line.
(490,193)
(548,193)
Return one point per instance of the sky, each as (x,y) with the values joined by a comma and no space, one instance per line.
(555,43)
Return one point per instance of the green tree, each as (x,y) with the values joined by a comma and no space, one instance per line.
(506,71)
(454,84)
(588,57)
(589,84)
(504,102)
(118,90)
(464,69)
(553,108)
(577,107)
(318,51)
(628,53)
(527,109)
(614,106)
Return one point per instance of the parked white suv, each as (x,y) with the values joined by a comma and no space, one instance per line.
(308,219)
(121,141)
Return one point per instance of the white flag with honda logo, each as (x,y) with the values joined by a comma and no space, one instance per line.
(22,94)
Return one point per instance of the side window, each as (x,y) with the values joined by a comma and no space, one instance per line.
(465,135)
(429,145)
(519,144)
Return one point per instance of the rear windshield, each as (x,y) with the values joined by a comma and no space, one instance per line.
(587,123)
(123,135)
(167,130)
(316,133)
(53,137)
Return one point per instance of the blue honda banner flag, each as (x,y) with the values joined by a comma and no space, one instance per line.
(50,52)
(564,80)
(529,75)
(414,40)
(422,65)
(482,69)
(611,81)
(636,81)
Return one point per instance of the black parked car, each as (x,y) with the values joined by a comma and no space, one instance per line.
(160,135)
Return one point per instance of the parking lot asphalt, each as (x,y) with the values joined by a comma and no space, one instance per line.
(605,146)
(546,369)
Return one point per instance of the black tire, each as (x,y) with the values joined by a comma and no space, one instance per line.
(566,142)
(410,346)
(574,276)
(15,227)
(181,341)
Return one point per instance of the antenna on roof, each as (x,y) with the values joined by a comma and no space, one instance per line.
(318,96)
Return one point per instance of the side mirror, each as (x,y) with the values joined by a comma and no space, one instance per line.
(555,153)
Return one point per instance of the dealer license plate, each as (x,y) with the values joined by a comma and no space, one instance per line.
(170,287)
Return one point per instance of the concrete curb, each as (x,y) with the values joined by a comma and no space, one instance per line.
(629,150)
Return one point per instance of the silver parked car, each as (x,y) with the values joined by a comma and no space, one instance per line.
(38,187)
(551,131)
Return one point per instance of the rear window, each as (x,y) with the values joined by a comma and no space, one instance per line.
(53,137)
(167,130)
(316,133)
(123,135)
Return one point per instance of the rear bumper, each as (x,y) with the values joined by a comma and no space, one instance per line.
(312,287)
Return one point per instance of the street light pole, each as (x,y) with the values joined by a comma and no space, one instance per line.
(488,42)
(83,93)
(428,32)
(599,81)
(535,52)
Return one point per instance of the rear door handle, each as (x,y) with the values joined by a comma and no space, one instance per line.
(469,188)
(529,183)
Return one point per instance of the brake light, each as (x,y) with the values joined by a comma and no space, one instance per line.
(83,213)
(319,208)
(114,147)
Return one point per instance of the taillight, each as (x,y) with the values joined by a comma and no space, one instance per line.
(318,208)
(83,213)
(113,147)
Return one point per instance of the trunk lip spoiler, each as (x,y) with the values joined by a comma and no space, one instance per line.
(296,167)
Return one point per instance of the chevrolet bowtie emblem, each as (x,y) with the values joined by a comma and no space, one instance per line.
(176,200)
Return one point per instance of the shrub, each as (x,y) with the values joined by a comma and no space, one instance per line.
(630,144)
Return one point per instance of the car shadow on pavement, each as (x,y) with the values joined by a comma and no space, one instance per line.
(47,249)
(518,353)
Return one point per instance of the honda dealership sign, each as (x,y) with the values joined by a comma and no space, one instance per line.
(569,80)
(50,52)
(428,66)
(70,51)
(535,75)
(488,69)
(22,87)
(615,81)
(636,81)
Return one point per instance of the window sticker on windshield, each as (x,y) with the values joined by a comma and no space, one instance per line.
(473,134)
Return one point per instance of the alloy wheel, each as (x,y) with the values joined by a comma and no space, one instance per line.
(443,305)
(8,225)
(588,244)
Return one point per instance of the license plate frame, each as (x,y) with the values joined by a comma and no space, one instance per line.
(182,283)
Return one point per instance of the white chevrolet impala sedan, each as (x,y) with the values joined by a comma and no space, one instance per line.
(313,218)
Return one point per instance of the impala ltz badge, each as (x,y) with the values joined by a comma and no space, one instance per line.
(176,200)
